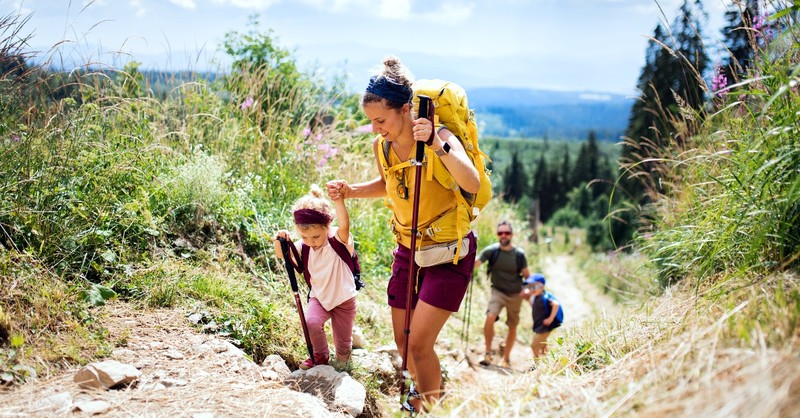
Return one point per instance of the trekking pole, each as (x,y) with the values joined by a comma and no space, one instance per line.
(293,281)
(425,110)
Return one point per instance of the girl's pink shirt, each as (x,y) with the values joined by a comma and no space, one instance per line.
(331,279)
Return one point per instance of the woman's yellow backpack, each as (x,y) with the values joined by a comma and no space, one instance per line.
(452,110)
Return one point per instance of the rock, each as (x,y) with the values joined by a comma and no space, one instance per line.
(60,402)
(106,374)
(358,338)
(288,403)
(174,355)
(92,406)
(196,318)
(271,376)
(172,382)
(349,396)
(275,363)
(338,390)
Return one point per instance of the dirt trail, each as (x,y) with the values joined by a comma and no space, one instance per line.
(580,299)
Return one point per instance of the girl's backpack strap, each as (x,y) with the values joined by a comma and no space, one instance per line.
(304,261)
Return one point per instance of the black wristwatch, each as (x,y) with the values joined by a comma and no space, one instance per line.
(444,150)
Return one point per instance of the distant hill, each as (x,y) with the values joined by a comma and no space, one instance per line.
(505,112)
(513,112)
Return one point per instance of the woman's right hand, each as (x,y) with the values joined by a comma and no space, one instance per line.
(338,189)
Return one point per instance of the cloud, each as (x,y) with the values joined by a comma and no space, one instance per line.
(249,4)
(138,7)
(451,12)
(394,9)
(186,4)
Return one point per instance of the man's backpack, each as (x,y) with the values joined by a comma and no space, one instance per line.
(559,318)
(496,253)
(344,254)
(451,109)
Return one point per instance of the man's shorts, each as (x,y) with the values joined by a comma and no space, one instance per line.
(513,303)
(442,286)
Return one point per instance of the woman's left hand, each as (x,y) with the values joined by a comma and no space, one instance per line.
(422,129)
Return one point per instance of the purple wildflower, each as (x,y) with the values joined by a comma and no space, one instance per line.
(15,138)
(306,132)
(247,103)
(759,22)
(327,152)
(762,28)
(719,81)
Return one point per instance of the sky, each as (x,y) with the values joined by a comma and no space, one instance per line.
(567,45)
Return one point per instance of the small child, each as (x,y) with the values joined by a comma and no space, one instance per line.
(333,291)
(546,310)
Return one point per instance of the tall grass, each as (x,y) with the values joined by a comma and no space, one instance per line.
(736,207)
(167,199)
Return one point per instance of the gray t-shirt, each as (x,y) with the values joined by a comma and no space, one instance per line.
(506,271)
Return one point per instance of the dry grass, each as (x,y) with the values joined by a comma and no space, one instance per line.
(675,356)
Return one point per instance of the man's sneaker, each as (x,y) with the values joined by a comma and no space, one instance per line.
(488,358)
(318,359)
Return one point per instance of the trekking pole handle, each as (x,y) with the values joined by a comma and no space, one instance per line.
(288,263)
(426,111)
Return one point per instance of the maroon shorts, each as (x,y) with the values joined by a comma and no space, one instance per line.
(442,286)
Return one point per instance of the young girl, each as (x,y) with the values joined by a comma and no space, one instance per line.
(333,291)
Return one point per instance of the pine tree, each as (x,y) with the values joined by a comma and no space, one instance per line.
(670,83)
(539,179)
(515,180)
(739,38)
(564,179)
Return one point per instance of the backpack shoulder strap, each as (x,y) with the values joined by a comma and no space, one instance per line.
(492,258)
(383,156)
(344,254)
(304,261)
(350,259)
(520,260)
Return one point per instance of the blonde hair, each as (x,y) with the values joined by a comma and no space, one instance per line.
(314,200)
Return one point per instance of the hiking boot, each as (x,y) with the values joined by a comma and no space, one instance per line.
(318,359)
(488,358)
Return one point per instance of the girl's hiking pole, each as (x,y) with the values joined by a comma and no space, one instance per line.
(293,281)
(425,110)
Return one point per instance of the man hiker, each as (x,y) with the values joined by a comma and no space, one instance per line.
(507,266)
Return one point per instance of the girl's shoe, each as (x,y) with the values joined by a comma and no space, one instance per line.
(408,408)
(318,359)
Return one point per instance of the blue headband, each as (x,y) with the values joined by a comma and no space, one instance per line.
(383,87)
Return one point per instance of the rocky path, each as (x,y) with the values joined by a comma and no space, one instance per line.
(182,373)
(186,373)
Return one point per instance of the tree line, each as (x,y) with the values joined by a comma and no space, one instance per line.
(677,85)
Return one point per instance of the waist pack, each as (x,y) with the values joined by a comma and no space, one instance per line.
(434,254)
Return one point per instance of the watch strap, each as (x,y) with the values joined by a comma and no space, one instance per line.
(444,150)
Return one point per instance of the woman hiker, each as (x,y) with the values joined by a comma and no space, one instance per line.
(439,289)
